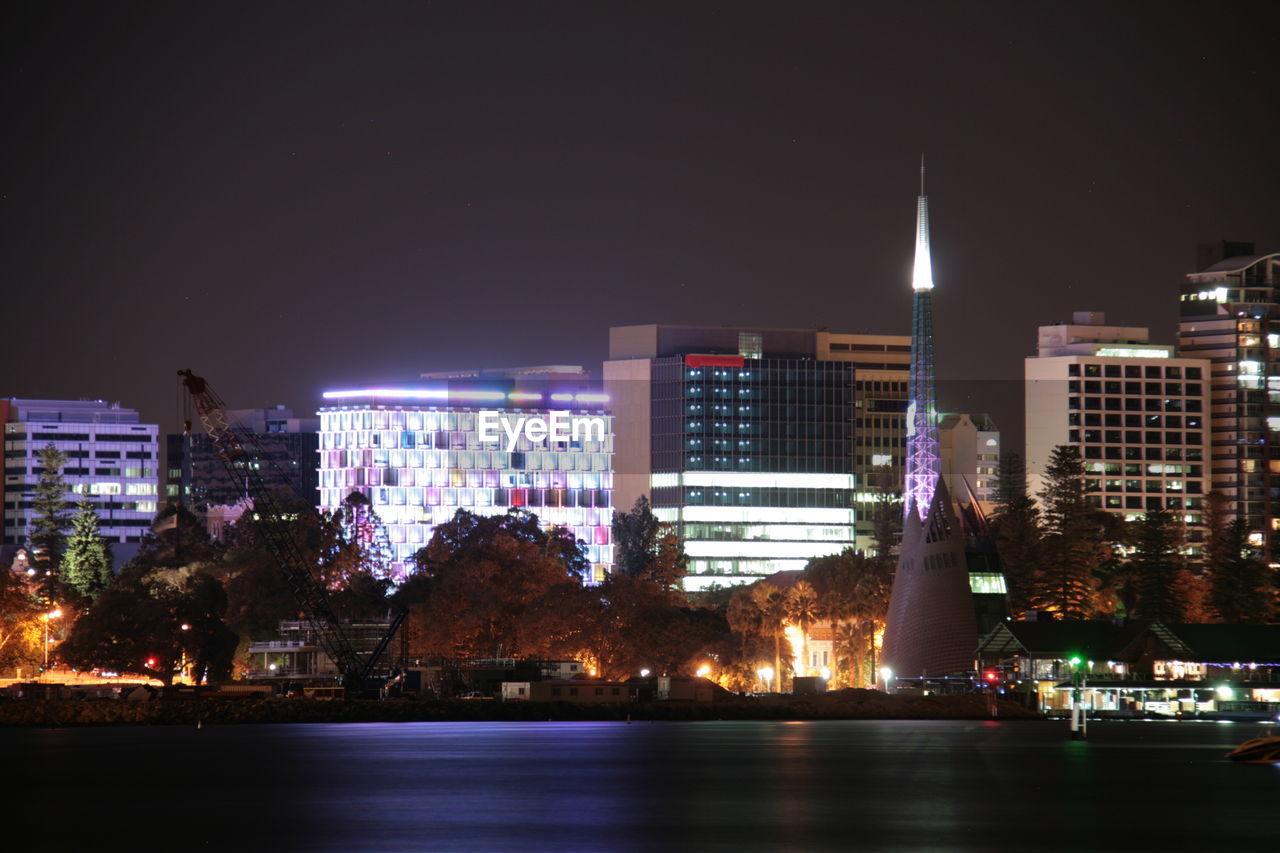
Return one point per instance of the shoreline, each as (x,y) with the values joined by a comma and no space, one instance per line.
(26,713)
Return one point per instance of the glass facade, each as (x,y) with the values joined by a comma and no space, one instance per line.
(419,464)
(752,460)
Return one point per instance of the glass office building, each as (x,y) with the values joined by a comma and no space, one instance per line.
(421,454)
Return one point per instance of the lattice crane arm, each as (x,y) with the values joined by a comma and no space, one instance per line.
(238,459)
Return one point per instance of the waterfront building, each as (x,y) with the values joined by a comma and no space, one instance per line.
(1138,668)
(534,439)
(111,456)
(947,570)
(1135,411)
(1230,316)
(751,441)
(195,474)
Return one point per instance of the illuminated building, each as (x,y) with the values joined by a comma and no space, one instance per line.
(110,456)
(1135,412)
(1230,315)
(197,477)
(420,454)
(937,601)
(746,440)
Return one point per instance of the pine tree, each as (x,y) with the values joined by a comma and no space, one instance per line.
(1064,583)
(635,539)
(1016,527)
(1239,584)
(86,566)
(49,504)
(1156,567)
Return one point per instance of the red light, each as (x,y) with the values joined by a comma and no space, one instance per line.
(151,661)
(991,675)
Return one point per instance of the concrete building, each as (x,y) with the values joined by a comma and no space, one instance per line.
(111,456)
(532,438)
(195,475)
(969,446)
(1135,411)
(751,441)
(1230,316)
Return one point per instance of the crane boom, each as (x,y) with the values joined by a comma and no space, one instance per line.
(241,462)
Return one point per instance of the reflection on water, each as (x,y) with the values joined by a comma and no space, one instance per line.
(799,786)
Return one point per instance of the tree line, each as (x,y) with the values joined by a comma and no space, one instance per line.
(1066,557)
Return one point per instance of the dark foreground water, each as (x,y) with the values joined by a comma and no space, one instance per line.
(697,786)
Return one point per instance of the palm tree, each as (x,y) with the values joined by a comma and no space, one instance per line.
(802,611)
(849,640)
(771,601)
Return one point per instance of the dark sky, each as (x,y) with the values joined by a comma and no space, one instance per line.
(286,197)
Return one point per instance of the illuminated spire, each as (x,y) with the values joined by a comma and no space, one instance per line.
(924,464)
(922,274)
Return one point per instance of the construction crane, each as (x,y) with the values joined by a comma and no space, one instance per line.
(241,455)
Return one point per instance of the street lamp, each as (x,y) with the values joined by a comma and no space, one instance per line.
(766,676)
(46,618)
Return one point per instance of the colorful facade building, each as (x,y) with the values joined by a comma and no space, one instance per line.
(531,441)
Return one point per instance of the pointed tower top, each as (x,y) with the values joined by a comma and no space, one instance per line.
(922,274)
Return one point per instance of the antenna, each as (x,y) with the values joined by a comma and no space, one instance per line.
(922,174)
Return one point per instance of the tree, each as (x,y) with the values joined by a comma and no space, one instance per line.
(771,601)
(1064,583)
(1016,529)
(635,538)
(802,611)
(21,631)
(86,566)
(853,593)
(1238,583)
(136,626)
(1155,568)
(481,574)
(49,520)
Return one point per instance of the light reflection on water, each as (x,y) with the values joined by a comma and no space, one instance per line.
(612,786)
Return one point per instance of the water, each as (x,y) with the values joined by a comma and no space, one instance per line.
(696,786)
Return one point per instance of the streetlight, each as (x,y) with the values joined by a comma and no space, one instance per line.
(704,671)
(887,674)
(46,617)
(766,676)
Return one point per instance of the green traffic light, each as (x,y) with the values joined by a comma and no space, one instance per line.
(1075,660)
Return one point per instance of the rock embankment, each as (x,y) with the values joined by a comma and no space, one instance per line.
(835,705)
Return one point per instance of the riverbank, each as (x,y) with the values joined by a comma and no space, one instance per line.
(842,704)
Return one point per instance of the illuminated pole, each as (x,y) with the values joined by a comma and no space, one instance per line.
(46,618)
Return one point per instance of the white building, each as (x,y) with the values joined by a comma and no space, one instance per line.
(969,445)
(1137,414)
(544,444)
(110,456)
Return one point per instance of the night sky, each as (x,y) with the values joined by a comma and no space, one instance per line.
(289,197)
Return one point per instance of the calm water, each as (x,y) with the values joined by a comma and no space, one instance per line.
(805,786)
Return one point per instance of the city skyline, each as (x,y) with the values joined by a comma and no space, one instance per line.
(288,202)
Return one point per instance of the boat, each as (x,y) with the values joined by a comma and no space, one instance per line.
(1259,750)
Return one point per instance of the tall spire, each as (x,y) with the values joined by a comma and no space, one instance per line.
(924,465)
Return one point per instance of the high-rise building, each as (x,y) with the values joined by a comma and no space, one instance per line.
(751,441)
(196,476)
(111,456)
(534,439)
(943,588)
(969,450)
(1230,316)
(1134,410)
